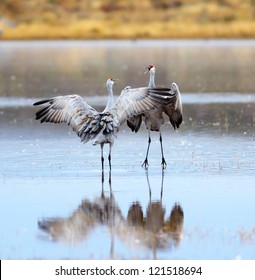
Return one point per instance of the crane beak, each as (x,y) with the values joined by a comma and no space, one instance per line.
(147,69)
(115,81)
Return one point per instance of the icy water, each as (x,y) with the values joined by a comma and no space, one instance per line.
(53,204)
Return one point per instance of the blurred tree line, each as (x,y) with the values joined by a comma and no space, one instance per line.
(29,9)
(92,19)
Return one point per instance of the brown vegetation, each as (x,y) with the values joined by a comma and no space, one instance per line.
(67,19)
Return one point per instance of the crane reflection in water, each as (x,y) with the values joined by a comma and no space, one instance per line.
(138,230)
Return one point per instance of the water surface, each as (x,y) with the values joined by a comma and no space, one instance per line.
(38,68)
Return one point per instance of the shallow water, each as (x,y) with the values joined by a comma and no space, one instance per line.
(35,69)
(201,207)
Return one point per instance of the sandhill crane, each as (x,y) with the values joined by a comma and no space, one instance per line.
(101,127)
(154,119)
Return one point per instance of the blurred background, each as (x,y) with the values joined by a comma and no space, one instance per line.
(98,19)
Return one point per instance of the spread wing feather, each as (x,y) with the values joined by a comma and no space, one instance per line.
(70,109)
(133,102)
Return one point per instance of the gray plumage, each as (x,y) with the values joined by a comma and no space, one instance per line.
(154,119)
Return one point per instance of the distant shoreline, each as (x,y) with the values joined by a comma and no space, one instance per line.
(84,30)
(210,42)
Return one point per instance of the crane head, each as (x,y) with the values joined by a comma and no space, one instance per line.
(150,68)
(111,81)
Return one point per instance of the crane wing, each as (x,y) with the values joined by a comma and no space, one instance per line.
(174,109)
(70,109)
(136,101)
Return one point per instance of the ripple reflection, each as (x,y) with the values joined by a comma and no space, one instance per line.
(139,230)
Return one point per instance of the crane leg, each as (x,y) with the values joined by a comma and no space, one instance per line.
(163,163)
(145,163)
(110,164)
(162,185)
(102,190)
(102,161)
(148,182)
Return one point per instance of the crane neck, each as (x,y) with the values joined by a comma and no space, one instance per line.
(110,98)
(152,80)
